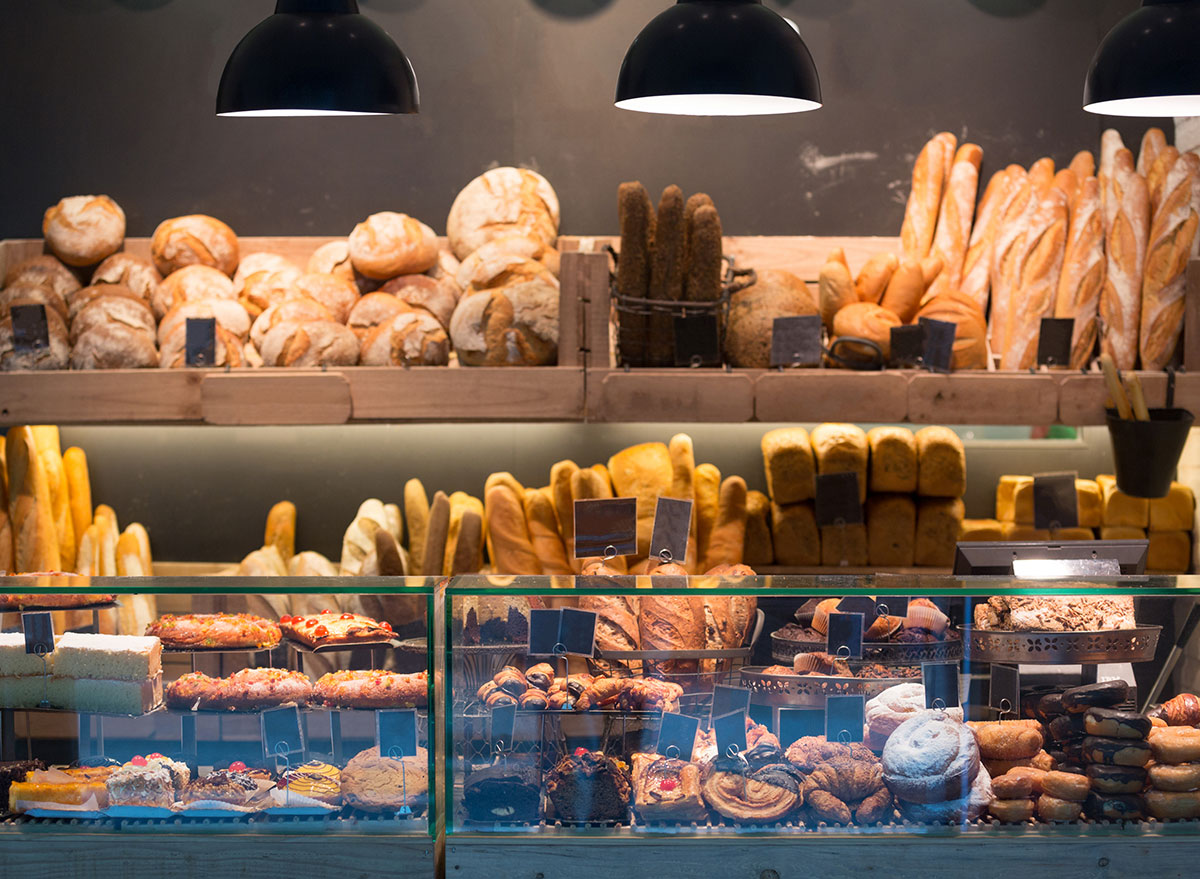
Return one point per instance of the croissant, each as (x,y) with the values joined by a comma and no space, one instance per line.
(1183,710)
(600,694)
(848,789)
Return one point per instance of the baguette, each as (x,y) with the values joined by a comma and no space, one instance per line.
(931,267)
(468,545)
(461,504)
(560,487)
(1083,166)
(683,475)
(633,266)
(905,290)
(835,288)
(416,513)
(513,551)
(1011,225)
(706,481)
(1083,271)
(542,523)
(929,179)
(758,546)
(1127,209)
(104,511)
(129,557)
(957,214)
(6,533)
(281,529)
(46,436)
(504,478)
(705,249)
(395,521)
(1153,143)
(874,277)
(87,559)
(976,281)
(79,490)
(726,544)
(1041,266)
(435,535)
(109,536)
(35,537)
(1110,145)
(644,472)
(1173,236)
(60,505)
(145,559)
(1156,180)
(4,468)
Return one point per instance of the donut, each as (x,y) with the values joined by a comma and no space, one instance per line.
(1013,786)
(1116,779)
(511,681)
(931,758)
(1068,728)
(1184,777)
(1176,744)
(1173,804)
(1116,724)
(1008,739)
(1050,706)
(1117,752)
(1012,811)
(1066,786)
(1034,775)
(1041,760)
(1115,808)
(1053,809)
(1105,694)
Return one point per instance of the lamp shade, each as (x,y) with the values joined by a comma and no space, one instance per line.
(317,58)
(1149,64)
(719,58)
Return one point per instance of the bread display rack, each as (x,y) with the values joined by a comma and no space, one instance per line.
(1054,648)
(800,691)
(784,650)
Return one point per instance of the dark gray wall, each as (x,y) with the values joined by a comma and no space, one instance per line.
(117,96)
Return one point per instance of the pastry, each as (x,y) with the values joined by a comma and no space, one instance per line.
(107,657)
(1054,614)
(540,676)
(848,790)
(15,771)
(1099,695)
(329,627)
(589,786)
(315,780)
(1116,724)
(84,229)
(372,689)
(510,681)
(194,240)
(217,630)
(1118,752)
(1041,761)
(1102,807)
(1066,786)
(1012,811)
(58,787)
(1069,727)
(965,808)
(1183,710)
(533,700)
(755,793)
(222,786)
(1166,805)
(141,783)
(310,344)
(1032,773)
(1176,744)
(811,752)
(931,758)
(1181,777)
(375,783)
(1052,809)
(1116,779)
(1007,739)
(508,792)
(247,689)
(666,789)
(884,713)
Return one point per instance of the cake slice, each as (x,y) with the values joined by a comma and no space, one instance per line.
(103,697)
(15,661)
(146,785)
(107,657)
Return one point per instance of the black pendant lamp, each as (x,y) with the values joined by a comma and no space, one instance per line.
(1149,64)
(719,58)
(317,58)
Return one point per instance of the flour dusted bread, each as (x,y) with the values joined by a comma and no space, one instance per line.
(337,294)
(297,309)
(790,465)
(753,311)
(261,290)
(196,239)
(28,293)
(114,344)
(1084,268)
(956,217)
(84,229)
(56,356)
(227,313)
(195,283)
(842,448)
(1172,242)
(372,310)
(511,319)
(313,343)
(438,298)
(941,463)
(388,244)
(930,172)
(642,471)
(103,310)
(228,350)
(893,459)
(44,270)
(334,259)
(501,201)
(413,338)
(1127,230)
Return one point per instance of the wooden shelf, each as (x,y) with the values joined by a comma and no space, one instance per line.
(690,395)
(831,395)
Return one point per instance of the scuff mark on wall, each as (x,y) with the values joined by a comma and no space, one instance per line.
(812,159)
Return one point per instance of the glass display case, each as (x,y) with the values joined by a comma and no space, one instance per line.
(763,710)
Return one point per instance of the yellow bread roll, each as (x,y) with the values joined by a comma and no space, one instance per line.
(87,560)
(143,542)
(727,542)
(281,529)
(759,550)
(980,531)
(844,545)
(512,546)
(35,537)
(891,528)
(60,503)
(939,521)
(1119,508)
(893,459)
(643,472)
(941,463)
(46,436)
(79,490)
(1067,535)
(543,533)
(706,482)
(1012,532)
(789,464)
(416,513)
(1175,512)
(564,509)
(842,448)
(1006,496)
(1122,532)
(504,478)
(1170,552)
(835,289)
(683,475)
(794,535)
(435,536)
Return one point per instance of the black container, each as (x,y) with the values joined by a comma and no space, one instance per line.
(1147,452)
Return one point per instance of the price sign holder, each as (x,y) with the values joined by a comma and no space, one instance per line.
(1004,695)
(672,526)
(940,680)
(731,733)
(561,632)
(799,723)
(796,341)
(939,344)
(1055,501)
(838,501)
(908,347)
(30,330)
(201,341)
(1054,342)
(677,736)
(504,724)
(396,733)
(845,636)
(282,733)
(606,528)
(862,604)
(39,641)
(729,699)
(697,340)
(844,718)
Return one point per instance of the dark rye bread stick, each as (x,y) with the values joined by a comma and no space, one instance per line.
(704,256)
(636,213)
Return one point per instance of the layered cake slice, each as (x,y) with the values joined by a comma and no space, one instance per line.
(107,657)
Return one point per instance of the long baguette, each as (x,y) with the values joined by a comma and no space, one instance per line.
(977,265)
(1172,239)
(6,533)
(1084,166)
(60,505)
(1012,224)
(929,180)
(1127,209)
(79,490)
(1083,272)
(1110,145)
(1153,143)
(416,513)
(953,235)
(35,538)
(1156,180)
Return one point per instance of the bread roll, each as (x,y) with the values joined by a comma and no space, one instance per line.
(281,529)
(194,283)
(436,535)
(893,459)
(115,346)
(970,334)
(1083,272)
(438,298)
(312,343)
(84,229)
(85,296)
(705,269)
(56,356)
(336,294)
(413,338)
(542,522)
(1172,242)
(976,272)
(228,350)
(43,271)
(227,313)
(334,259)
(873,279)
(891,530)
(262,261)
(261,290)
(644,472)
(194,240)
(789,464)
(844,545)
(905,290)
(795,538)
(865,320)
(835,288)
(752,315)
(941,463)
(758,550)
(388,244)
(842,448)
(564,509)
(126,270)
(27,293)
(505,247)
(956,217)
(513,322)
(929,178)
(501,201)
(104,310)
(372,310)
(726,544)
(509,533)
(1127,230)
(706,481)
(31,512)
(939,521)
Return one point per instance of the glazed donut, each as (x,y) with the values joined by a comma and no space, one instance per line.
(486,690)
(1115,808)
(540,676)
(1116,779)
(1105,694)
(931,758)
(1184,777)
(1066,786)
(1068,728)
(1116,724)
(1050,706)
(1053,809)
(1013,786)
(1176,744)
(1173,804)
(1126,752)
(1008,739)
(511,681)
(1012,811)
(1034,775)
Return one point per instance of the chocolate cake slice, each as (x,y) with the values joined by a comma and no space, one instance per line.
(589,787)
(505,792)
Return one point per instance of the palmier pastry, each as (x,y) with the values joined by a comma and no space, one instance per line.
(540,676)
(1116,724)
(931,758)
(766,794)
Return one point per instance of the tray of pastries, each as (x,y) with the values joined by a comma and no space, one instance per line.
(820,675)
(922,635)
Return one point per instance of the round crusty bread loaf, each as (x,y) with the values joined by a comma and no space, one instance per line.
(500,270)
(412,338)
(138,274)
(446,266)
(104,310)
(513,324)
(84,229)
(28,293)
(46,270)
(865,320)
(512,244)
(263,289)
(388,244)
(80,299)
(970,339)
(499,201)
(421,291)
(193,283)
(56,356)
(228,350)
(372,310)
(261,261)
(227,313)
(314,343)
(196,239)
(752,314)
(114,345)
(334,292)
(334,259)
(298,309)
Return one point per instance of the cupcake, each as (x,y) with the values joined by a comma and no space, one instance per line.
(820,620)
(924,614)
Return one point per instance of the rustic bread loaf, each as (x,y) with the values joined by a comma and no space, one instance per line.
(228,314)
(334,292)
(312,343)
(194,240)
(56,356)
(297,309)
(229,350)
(1127,232)
(126,270)
(413,338)
(970,337)
(388,244)
(44,270)
(84,229)
(1083,272)
(752,314)
(333,258)
(500,201)
(438,298)
(194,283)
(373,310)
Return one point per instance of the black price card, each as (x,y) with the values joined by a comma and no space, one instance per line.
(672,525)
(39,633)
(892,605)
(799,723)
(1054,341)
(201,341)
(396,733)
(845,636)
(282,732)
(939,344)
(543,632)
(606,528)
(838,500)
(731,733)
(1005,692)
(697,340)
(728,699)
(908,347)
(864,604)
(504,722)
(677,736)
(844,718)
(30,330)
(577,631)
(941,684)
(796,341)
(1055,502)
